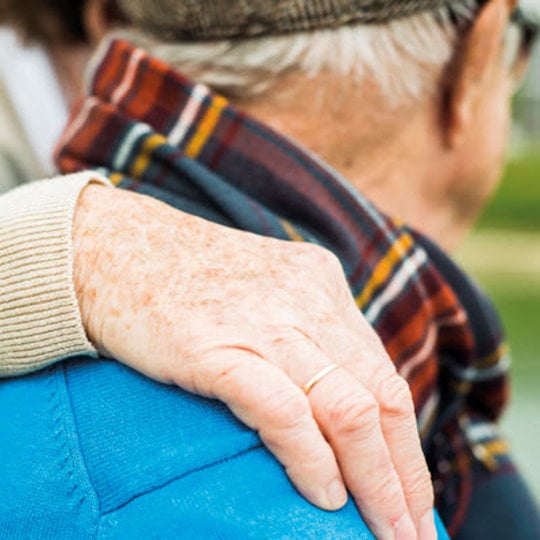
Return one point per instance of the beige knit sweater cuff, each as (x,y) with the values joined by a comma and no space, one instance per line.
(40,321)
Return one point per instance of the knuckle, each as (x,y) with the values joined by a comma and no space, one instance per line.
(223,379)
(327,269)
(419,486)
(313,462)
(354,412)
(395,397)
(287,408)
(388,494)
(324,259)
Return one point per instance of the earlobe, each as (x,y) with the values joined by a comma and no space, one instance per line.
(470,74)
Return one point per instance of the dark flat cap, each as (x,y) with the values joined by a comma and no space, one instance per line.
(217,19)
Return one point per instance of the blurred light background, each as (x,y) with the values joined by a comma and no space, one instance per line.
(32,111)
(503,254)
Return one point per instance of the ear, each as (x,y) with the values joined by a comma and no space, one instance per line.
(477,59)
(99,17)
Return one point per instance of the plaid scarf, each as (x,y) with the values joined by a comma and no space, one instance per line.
(153,131)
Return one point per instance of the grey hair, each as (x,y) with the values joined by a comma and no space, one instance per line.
(403,57)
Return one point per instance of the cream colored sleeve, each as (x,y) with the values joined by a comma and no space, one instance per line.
(40,321)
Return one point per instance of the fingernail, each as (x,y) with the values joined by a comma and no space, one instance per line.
(427,529)
(405,529)
(336,494)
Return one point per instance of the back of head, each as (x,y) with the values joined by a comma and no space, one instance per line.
(241,48)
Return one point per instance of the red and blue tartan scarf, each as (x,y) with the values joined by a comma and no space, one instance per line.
(151,130)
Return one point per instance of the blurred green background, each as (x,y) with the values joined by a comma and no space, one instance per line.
(503,254)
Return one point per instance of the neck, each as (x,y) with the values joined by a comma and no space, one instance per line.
(409,187)
(408,181)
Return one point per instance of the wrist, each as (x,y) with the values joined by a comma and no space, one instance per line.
(89,235)
(42,322)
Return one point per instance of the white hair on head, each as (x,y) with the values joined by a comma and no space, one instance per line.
(404,57)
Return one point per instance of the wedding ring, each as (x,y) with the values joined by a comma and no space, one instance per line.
(318,377)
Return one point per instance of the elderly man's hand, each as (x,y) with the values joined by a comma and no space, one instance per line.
(250,320)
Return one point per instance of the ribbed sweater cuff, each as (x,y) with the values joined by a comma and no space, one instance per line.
(40,320)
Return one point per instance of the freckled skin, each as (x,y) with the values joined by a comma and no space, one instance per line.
(240,324)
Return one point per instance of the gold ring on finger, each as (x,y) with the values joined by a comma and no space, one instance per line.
(319,376)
